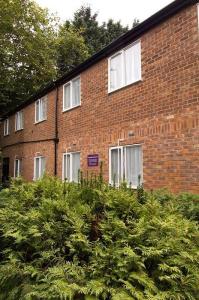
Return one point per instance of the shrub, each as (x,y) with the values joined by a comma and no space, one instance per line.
(90,241)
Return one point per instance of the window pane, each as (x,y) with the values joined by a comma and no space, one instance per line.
(137,61)
(43,166)
(43,108)
(66,96)
(76,166)
(133,165)
(116,166)
(68,167)
(37,168)
(116,72)
(76,92)
(16,168)
(37,111)
(128,65)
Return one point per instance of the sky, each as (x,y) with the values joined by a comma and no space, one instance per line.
(123,10)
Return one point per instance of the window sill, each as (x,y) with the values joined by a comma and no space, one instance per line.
(71,108)
(18,130)
(125,86)
(6,134)
(38,122)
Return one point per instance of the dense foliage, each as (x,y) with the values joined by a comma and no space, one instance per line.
(27,50)
(90,241)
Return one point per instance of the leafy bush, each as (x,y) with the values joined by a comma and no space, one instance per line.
(90,241)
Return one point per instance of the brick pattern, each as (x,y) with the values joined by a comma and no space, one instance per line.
(161,112)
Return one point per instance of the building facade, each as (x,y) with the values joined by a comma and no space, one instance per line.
(134,106)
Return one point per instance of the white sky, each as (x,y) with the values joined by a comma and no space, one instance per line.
(123,10)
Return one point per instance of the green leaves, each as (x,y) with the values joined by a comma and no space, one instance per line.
(79,242)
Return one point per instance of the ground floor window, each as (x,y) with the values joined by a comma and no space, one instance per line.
(17,168)
(125,164)
(39,167)
(71,166)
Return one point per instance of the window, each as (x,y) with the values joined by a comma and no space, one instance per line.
(6,127)
(125,67)
(39,167)
(125,164)
(19,120)
(71,166)
(71,94)
(41,110)
(17,168)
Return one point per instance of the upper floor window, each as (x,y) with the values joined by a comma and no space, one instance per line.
(125,164)
(17,168)
(125,67)
(39,167)
(71,94)
(71,166)
(41,110)
(19,120)
(6,127)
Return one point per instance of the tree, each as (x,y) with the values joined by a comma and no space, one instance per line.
(27,50)
(71,50)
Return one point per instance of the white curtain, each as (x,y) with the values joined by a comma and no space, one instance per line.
(137,61)
(37,110)
(75,166)
(43,166)
(67,96)
(128,65)
(37,168)
(133,165)
(76,92)
(116,160)
(43,108)
(116,71)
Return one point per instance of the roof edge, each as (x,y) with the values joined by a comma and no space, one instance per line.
(130,36)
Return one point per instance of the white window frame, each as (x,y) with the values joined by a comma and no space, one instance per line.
(40,158)
(71,93)
(70,154)
(19,168)
(41,102)
(123,68)
(19,115)
(123,164)
(6,127)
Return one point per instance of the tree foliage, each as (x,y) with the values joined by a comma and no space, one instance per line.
(88,241)
(27,50)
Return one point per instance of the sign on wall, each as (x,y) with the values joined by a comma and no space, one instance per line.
(93,160)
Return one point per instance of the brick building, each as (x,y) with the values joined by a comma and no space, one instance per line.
(134,105)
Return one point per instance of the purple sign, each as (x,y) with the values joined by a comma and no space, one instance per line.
(93,160)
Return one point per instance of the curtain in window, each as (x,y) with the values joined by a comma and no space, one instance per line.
(76,92)
(43,166)
(136,61)
(37,173)
(44,108)
(66,96)
(37,110)
(17,168)
(133,165)
(75,166)
(68,166)
(128,65)
(116,71)
(116,166)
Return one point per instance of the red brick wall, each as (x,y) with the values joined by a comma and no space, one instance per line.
(161,110)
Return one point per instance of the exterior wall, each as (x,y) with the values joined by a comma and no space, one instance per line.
(24,144)
(161,113)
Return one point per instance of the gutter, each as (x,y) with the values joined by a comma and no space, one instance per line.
(56,140)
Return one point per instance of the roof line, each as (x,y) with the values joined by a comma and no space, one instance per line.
(116,45)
